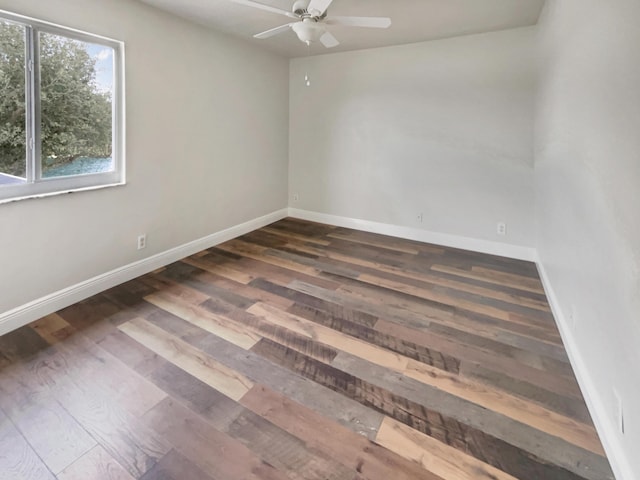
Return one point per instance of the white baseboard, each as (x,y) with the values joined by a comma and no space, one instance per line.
(410,233)
(607,431)
(55,301)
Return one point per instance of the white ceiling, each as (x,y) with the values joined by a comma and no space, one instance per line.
(412,20)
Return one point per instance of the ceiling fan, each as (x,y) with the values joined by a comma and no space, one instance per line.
(312,21)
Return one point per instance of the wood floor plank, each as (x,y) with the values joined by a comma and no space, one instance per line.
(356,312)
(249,292)
(398,246)
(465,275)
(434,455)
(274,445)
(17,458)
(468,259)
(430,294)
(514,318)
(281,275)
(85,358)
(97,411)
(51,431)
(303,257)
(256,252)
(427,420)
(174,466)
(374,239)
(566,405)
(525,284)
(222,270)
(297,236)
(427,277)
(423,321)
(192,392)
(408,349)
(343,410)
(489,359)
(330,337)
(52,328)
(321,264)
(315,229)
(204,319)
(20,345)
(314,296)
(453,316)
(513,278)
(513,407)
(188,358)
(130,352)
(214,452)
(96,464)
(282,335)
(379,254)
(88,316)
(285,451)
(550,455)
(318,432)
(199,280)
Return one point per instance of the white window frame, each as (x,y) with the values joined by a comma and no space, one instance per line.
(36,186)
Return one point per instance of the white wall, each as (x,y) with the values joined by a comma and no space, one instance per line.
(587,166)
(444,128)
(207,148)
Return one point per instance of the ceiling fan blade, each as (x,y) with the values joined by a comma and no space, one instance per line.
(319,6)
(273,31)
(368,22)
(267,8)
(328,40)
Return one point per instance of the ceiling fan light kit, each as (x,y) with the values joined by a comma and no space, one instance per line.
(308,31)
(312,21)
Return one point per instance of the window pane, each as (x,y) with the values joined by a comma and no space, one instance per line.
(13,136)
(76,91)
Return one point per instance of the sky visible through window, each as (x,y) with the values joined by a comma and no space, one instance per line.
(104,65)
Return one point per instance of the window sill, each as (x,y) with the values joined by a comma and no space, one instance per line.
(60,192)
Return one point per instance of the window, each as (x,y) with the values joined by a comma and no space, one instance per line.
(61,109)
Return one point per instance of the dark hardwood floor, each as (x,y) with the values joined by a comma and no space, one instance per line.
(301,351)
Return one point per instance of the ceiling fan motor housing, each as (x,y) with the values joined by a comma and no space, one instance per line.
(301,8)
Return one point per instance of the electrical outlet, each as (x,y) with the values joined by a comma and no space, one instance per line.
(419,217)
(142,241)
(619,411)
(502,228)
(296,197)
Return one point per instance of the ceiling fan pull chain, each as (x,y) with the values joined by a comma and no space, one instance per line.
(307,82)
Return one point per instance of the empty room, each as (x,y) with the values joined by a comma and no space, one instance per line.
(319,239)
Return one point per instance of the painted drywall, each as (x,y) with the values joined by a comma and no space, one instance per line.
(441,128)
(207,148)
(587,168)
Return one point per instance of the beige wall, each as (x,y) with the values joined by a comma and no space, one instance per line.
(207,129)
(443,128)
(588,199)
